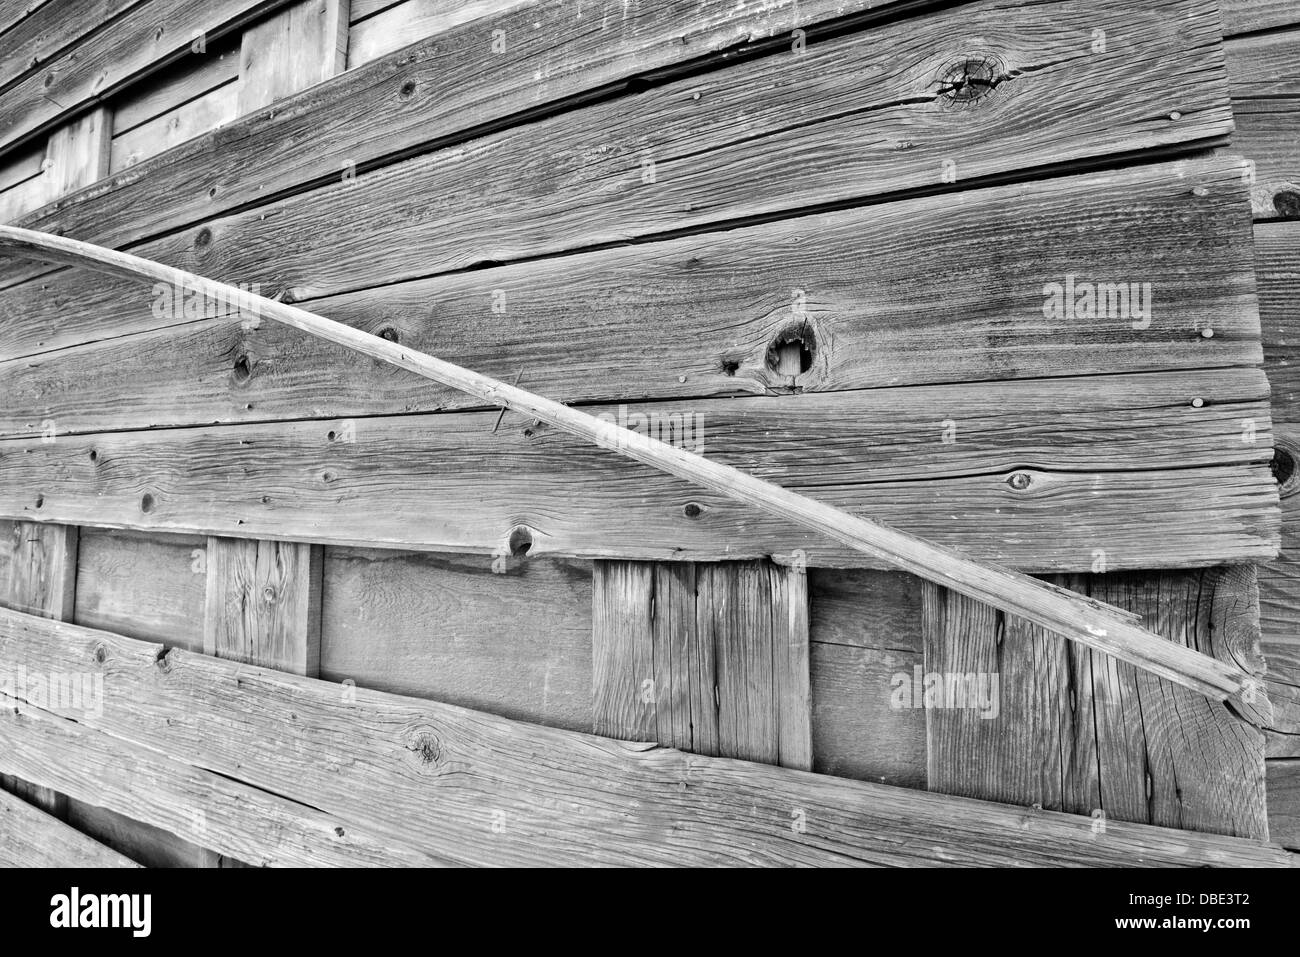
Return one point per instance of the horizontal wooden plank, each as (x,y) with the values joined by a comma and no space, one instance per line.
(1246,16)
(146,38)
(480,789)
(31,838)
(401,25)
(878,451)
(206,112)
(1264,64)
(765,137)
(12,14)
(196,805)
(143,586)
(451,84)
(51,29)
(1268,134)
(21,165)
(663,320)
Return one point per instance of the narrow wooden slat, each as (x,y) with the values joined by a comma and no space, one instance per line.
(1264,64)
(263,604)
(31,838)
(78,153)
(190,78)
(1096,626)
(663,320)
(711,659)
(1071,730)
(478,789)
(300,46)
(709,153)
(165,797)
(404,24)
(21,165)
(146,38)
(1284,802)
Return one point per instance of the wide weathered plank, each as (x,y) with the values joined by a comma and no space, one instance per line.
(478,789)
(449,84)
(166,798)
(709,658)
(766,137)
(450,482)
(50,29)
(31,838)
(1016,715)
(146,38)
(664,320)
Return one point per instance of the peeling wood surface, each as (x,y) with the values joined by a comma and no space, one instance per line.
(592,801)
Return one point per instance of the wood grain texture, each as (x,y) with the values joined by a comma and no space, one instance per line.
(505,634)
(293,481)
(405,23)
(444,777)
(49,30)
(831,125)
(146,38)
(173,805)
(186,80)
(206,112)
(1268,131)
(1246,16)
(1093,624)
(31,838)
(633,322)
(447,84)
(1284,802)
(264,603)
(302,45)
(78,153)
(150,587)
(711,659)
(1069,730)
(1263,65)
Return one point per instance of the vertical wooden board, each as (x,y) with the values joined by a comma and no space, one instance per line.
(710,658)
(1284,803)
(1158,753)
(40,578)
(263,604)
(378,32)
(515,642)
(77,153)
(297,48)
(145,586)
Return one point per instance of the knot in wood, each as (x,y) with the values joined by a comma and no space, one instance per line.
(972,79)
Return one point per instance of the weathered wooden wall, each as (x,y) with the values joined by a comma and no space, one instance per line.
(637,218)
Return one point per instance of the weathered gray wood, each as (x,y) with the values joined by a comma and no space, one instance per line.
(663,320)
(505,634)
(48,30)
(1070,730)
(449,84)
(1245,16)
(146,38)
(478,789)
(263,603)
(731,154)
(110,777)
(207,112)
(400,25)
(1263,64)
(31,838)
(709,658)
(1268,131)
(1284,802)
(189,79)
(448,482)
(150,587)
(303,45)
